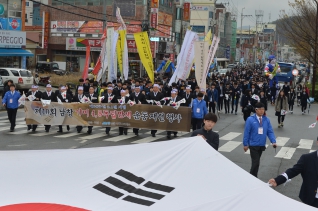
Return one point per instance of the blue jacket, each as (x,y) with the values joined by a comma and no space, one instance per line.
(215,95)
(163,63)
(251,136)
(8,97)
(199,109)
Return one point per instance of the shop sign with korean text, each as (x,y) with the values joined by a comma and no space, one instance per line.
(79,44)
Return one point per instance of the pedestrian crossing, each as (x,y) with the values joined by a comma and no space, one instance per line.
(229,141)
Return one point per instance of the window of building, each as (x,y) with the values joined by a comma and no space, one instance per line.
(178,13)
(161,2)
(210,14)
(27,4)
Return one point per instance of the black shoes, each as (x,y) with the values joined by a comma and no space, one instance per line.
(175,135)
(29,127)
(59,131)
(68,127)
(153,135)
(169,137)
(89,132)
(136,133)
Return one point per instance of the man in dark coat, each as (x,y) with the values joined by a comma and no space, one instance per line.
(109,97)
(172,102)
(93,97)
(48,95)
(156,96)
(37,97)
(65,98)
(138,98)
(307,166)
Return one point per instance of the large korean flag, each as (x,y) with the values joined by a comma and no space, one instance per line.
(184,174)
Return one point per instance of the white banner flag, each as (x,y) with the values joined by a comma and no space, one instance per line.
(104,61)
(110,34)
(214,46)
(200,51)
(184,63)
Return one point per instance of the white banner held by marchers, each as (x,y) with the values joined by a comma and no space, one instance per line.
(200,51)
(213,47)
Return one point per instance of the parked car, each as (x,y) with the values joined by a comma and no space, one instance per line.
(49,67)
(23,79)
(223,71)
(1,85)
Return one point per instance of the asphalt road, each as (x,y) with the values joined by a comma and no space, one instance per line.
(294,139)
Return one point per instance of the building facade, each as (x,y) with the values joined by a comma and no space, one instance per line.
(12,38)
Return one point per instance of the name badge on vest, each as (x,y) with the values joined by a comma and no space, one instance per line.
(198,110)
(11,100)
(260,130)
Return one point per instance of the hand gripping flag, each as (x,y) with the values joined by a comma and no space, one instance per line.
(177,104)
(101,99)
(150,101)
(85,100)
(59,100)
(31,97)
(158,103)
(110,99)
(314,124)
(256,97)
(121,100)
(21,100)
(131,103)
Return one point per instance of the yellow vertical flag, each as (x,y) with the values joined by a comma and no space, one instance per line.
(208,37)
(119,51)
(143,47)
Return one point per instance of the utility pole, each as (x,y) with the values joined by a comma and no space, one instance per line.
(242,16)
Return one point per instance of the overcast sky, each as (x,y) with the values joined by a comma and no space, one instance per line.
(268,6)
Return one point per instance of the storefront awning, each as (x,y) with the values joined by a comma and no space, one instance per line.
(14,52)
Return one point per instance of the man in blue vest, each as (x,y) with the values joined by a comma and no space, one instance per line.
(11,102)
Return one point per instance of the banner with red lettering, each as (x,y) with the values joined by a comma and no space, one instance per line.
(109,115)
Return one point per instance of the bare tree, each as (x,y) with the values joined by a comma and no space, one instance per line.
(301,30)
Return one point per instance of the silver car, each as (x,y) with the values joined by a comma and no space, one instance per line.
(22,78)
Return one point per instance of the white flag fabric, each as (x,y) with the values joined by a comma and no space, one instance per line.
(21,100)
(59,100)
(313,125)
(45,102)
(104,61)
(111,55)
(31,97)
(85,100)
(185,58)
(178,175)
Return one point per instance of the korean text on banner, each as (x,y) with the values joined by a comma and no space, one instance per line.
(111,74)
(213,47)
(200,49)
(119,53)
(143,46)
(109,115)
(87,61)
(188,57)
(124,49)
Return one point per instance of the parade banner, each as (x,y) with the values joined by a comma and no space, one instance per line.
(208,37)
(119,52)
(186,40)
(200,49)
(184,174)
(187,58)
(212,51)
(109,115)
(87,60)
(124,48)
(104,60)
(111,74)
(143,46)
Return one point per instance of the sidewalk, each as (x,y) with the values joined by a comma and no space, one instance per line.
(41,88)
